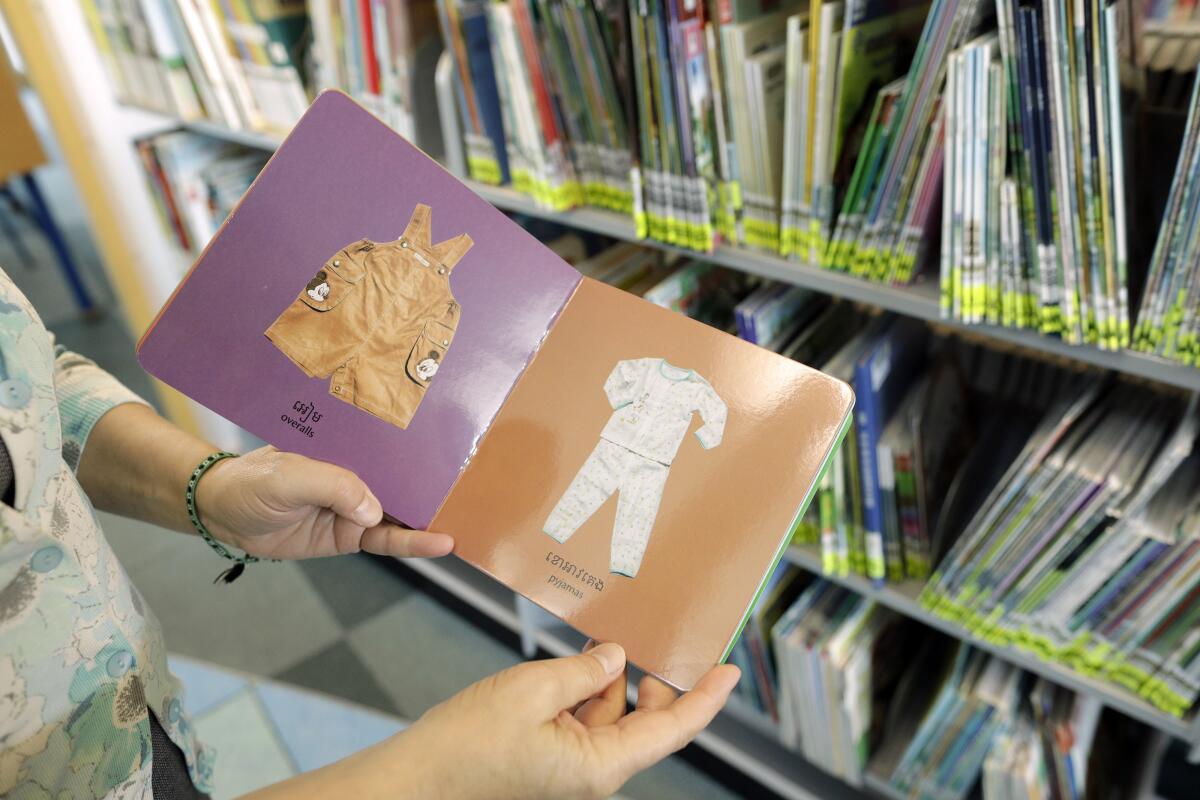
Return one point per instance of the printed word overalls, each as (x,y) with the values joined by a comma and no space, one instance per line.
(377,319)
(653,403)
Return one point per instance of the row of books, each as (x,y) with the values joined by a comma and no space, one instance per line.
(196,181)
(1085,552)
(888,213)
(899,489)
(981,143)
(383,53)
(1033,226)
(836,656)
(1168,323)
(988,722)
(878,139)
(856,689)
(255,65)
(673,111)
(237,64)
(1171,41)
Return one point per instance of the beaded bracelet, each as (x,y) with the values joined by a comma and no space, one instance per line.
(231,574)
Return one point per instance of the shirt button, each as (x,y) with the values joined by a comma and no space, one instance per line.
(337,262)
(119,663)
(46,559)
(404,243)
(445,342)
(14,393)
(441,270)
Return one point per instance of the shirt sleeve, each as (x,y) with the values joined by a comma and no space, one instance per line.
(622,383)
(712,411)
(85,394)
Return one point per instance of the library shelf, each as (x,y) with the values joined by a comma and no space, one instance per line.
(902,598)
(919,300)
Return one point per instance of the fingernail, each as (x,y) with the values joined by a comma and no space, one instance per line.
(441,544)
(610,656)
(366,513)
(732,675)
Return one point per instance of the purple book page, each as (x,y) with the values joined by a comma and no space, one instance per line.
(340,177)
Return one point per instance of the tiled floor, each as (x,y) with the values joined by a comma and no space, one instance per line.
(267,731)
(351,628)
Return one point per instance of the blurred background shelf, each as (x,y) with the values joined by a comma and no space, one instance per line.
(902,598)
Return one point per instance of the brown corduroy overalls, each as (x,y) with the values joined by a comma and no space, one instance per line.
(379,318)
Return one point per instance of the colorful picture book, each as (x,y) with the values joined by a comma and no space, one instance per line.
(362,306)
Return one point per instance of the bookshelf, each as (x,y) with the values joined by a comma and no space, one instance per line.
(902,598)
(919,301)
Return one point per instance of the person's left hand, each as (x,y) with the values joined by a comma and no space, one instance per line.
(282,505)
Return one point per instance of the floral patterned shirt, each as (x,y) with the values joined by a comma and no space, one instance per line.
(82,659)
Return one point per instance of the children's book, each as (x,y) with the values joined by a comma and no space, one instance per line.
(633,471)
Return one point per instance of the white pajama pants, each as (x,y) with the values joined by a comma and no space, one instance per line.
(639,482)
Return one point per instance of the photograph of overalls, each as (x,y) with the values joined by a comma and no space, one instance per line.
(378,318)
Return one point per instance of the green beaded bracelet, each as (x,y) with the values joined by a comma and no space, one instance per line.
(240,562)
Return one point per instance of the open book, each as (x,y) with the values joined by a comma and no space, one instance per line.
(363,307)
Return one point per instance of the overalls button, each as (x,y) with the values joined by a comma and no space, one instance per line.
(337,390)
(445,342)
(404,242)
(337,262)
(441,270)
(14,393)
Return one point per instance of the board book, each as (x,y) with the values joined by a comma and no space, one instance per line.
(635,472)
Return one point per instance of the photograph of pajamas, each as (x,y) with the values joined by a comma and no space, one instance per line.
(377,319)
(653,403)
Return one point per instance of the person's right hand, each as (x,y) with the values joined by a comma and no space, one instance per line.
(554,729)
(544,729)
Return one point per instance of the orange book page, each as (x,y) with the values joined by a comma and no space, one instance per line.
(723,510)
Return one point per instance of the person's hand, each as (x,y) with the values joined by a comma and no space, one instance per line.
(283,505)
(545,729)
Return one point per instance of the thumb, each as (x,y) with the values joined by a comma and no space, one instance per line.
(563,683)
(307,481)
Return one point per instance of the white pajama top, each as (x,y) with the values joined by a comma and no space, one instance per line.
(653,403)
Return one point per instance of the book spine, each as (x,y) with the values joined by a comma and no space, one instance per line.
(869,430)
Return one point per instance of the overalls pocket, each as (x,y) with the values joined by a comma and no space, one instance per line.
(334,281)
(428,352)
